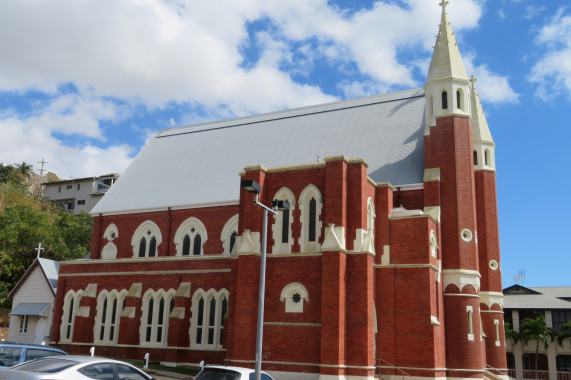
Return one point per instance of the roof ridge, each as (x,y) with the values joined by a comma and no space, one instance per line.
(264,117)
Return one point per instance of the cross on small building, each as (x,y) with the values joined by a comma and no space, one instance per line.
(39,249)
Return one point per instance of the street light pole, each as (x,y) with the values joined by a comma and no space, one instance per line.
(253,187)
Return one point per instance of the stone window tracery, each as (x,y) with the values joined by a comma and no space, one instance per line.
(209,311)
(293,295)
(70,308)
(146,240)
(109,308)
(229,234)
(281,228)
(157,307)
(310,204)
(190,238)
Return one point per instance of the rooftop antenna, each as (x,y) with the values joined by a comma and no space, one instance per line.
(172,122)
(521,275)
(42,169)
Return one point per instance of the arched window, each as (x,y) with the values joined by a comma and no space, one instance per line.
(109,308)
(281,229)
(310,204)
(475,158)
(146,239)
(459,99)
(70,307)
(487,157)
(209,310)
(229,234)
(470,312)
(157,307)
(444,100)
(293,294)
(190,237)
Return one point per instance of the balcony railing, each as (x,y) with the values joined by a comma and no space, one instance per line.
(530,374)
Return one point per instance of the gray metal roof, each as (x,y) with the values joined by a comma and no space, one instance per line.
(30,309)
(198,165)
(545,298)
(51,270)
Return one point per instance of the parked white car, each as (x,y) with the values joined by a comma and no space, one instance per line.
(73,367)
(214,372)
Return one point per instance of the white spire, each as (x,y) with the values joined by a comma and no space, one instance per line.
(446,61)
(484,147)
(480,130)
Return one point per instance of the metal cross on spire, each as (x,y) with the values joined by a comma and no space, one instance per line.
(39,249)
(443,4)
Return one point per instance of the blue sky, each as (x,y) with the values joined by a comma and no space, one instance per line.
(84,84)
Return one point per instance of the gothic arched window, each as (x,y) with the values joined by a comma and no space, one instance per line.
(146,239)
(190,237)
(444,100)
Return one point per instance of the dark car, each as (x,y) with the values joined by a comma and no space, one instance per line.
(16,353)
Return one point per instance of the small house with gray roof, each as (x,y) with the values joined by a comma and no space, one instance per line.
(33,300)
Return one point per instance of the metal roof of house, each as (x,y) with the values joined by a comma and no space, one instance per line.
(540,298)
(30,309)
(198,165)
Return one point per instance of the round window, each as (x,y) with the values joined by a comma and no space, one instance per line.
(494,264)
(466,234)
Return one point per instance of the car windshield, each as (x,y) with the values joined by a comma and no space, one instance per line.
(50,365)
(217,374)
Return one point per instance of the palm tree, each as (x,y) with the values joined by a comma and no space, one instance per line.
(536,329)
(24,169)
(564,333)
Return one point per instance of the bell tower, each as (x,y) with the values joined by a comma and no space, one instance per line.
(447,87)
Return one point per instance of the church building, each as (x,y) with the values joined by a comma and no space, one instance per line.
(386,265)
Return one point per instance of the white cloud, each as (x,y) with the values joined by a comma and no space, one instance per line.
(136,54)
(501,14)
(492,87)
(552,73)
(532,11)
(31,137)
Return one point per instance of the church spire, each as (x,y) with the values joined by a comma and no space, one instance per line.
(447,87)
(482,138)
(446,61)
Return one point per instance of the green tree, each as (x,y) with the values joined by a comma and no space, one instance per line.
(564,333)
(25,222)
(6,173)
(536,330)
(24,169)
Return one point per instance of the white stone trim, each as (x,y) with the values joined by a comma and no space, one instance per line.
(207,297)
(109,251)
(69,314)
(155,340)
(283,194)
(111,232)
(106,322)
(226,235)
(491,298)
(288,293)
(334,239)
(147,229)
(184,229)
(461,278)
(310,192)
